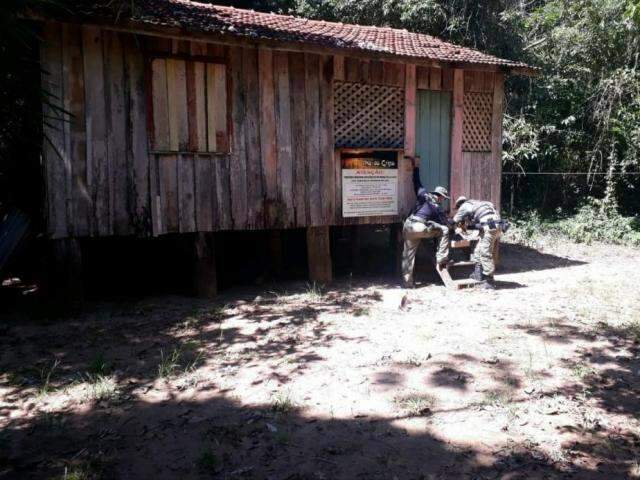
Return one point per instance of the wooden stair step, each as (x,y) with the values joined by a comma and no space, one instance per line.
(455,284)
(464,263)
(460,243)
(465,282)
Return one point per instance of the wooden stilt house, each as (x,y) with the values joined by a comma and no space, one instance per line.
(185,117)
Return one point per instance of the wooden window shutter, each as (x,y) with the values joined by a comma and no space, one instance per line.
(189,106)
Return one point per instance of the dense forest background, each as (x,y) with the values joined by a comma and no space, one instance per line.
(572,134)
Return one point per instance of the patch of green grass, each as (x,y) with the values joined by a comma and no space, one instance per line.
(94,467)
(46,373)
(185,358)
(361,311)
(554,322)
(415,405)
(99,366)
(632,330)
(190,321)
(218,311)
(581,370)
(496,398)
(279,296)
(15,379)
(282,402)
(170,363)
(314,292)
(530,372)
(103,387)
(75,473)
(195,362)
(589,420)
(413,359)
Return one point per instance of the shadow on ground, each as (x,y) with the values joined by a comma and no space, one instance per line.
(220,438)
(151,329)
(608,369)
(516,258)
(224,436)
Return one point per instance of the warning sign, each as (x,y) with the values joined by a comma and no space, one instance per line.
(369,183)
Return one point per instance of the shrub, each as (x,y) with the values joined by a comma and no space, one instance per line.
(597,222)
(593,222)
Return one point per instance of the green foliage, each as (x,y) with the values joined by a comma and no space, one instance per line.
(45,377)
(102,387)
(99,366)
(169,364)
(597,222)
(583,113)
(184,358)
(594,222)
(282,402)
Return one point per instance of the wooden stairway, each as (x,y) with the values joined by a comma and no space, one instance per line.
(445,274)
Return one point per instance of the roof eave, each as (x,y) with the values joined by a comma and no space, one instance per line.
(174,32)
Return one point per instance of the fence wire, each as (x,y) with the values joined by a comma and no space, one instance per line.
(553,192)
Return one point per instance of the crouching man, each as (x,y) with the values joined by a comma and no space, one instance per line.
(427,220)
(481,215)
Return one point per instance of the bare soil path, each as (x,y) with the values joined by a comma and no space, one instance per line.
(538,379)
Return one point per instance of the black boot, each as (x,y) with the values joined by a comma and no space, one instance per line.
(477,273)
(488,282)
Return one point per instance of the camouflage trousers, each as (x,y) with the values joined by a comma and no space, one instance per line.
(483,252)
(412,233)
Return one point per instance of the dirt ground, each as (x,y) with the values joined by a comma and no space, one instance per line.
(538,379)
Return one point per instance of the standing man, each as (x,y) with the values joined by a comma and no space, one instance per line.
(481,215)
(427,220)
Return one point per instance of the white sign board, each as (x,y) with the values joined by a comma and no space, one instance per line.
(369,184)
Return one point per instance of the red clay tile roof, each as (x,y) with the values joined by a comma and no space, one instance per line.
(202,17)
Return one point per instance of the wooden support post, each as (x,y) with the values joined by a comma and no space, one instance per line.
(319,254)
(65,273)
(396,245)
(355,244)
(275,253)
(205,280)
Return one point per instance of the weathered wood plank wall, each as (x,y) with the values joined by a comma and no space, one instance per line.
(167,136)
(95,150)
(482,170)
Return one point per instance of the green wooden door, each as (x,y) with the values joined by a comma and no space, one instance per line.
(433,138)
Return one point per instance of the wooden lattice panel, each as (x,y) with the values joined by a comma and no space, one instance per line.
(368,115)
(476,125)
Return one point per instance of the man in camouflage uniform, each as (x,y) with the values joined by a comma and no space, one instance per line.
(483,216)
(427,220)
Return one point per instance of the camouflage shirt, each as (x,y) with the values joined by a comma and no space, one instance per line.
(473,211)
